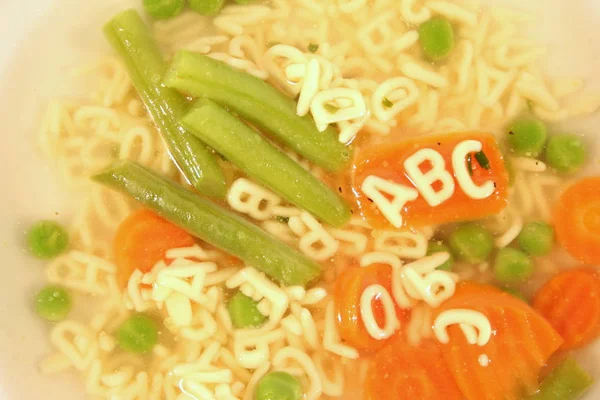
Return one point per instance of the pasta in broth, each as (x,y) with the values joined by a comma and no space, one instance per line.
(312,258)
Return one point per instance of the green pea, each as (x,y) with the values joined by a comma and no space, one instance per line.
(516,293)
(436,246)
(565,153)
(527,136)
(53,303)
(138,334)
(471,243)
(47,239)
(536,238)
(278,385)
(163,9)
(512,266)
(436,37)
(206,7)
(244,312)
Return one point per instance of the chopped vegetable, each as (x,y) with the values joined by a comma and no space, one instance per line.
(259,103)
(436,246)
(536,238)
(138,334)
(512,266)
(53,303)
(577,220)
(278,385)
(521,343)
(47,239)
(568,381)
(400,371)
(211,223)
(313,47)
(471,243)
(142,240)
(207,7)
(436,37)
(244,313)
(387,103)
(566,153)
(571,302)
(267,164)
(527,136)
(132,40)
(162,9)
(482,160)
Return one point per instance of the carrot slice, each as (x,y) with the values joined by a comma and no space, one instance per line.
(571,303)
(400,371)
(520,346)
(387,162)
(577,220)
(142,240)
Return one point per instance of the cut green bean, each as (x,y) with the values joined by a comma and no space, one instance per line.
(568,381)
(512,266)
(278,385)
(53,303)
(259,103)
(471,243)
(132,40)
(565,153)
(207,7)
(244,313)
(536,238)
(436,37)
(211,223)
(527,136)
(162,9)
(47,239)
(437,246)
(268,165)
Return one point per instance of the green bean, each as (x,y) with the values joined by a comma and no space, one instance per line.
(244,313)
(278,385)
(163,9)
(436,37)
(436,246)
(568,381)
(53,303)
(207,7)
(527,136)
(47,239)
(536,238)
(211,223)
(565,153)
(132,40)
(138,334)
(268,165)
(512,266)
(471,243)
(259,103)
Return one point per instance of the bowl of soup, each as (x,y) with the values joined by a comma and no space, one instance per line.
(300,199)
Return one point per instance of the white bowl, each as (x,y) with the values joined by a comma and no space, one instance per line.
(41,39)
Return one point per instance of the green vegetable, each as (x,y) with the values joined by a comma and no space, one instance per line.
(278,385)
(53,303)
(47,239)
(527,136)
(515,293)
(536,238)
(387,103)
(138,334)
(268,165)
(482,160)
(568,381)
(283,220)
(436,246)
(207,7)
(211,223)
(436,37)
(259,103)
(565,153)
(512,265)
(244,312)
(313,47)
(242,1)
(162,9)
(132,40)
(471,243)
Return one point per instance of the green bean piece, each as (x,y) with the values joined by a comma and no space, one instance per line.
(132,40)
(527,136)
(53,303)
(515,293)
(47,239)
(566,153)
(138,334)
(211,223)
(278,385)
(244,313)
(437,246)
(436,37)
(512,266)
(268,165)
(259,103)
(568,381)
(536,238)
(163,9)
(471,243)
(207,7)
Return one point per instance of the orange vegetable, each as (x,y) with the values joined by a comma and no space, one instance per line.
(521,344)
(142,240)
(400,371)
(571,303)
(387,162)
(577,220)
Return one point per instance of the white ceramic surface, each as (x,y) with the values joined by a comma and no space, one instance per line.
(40,40)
